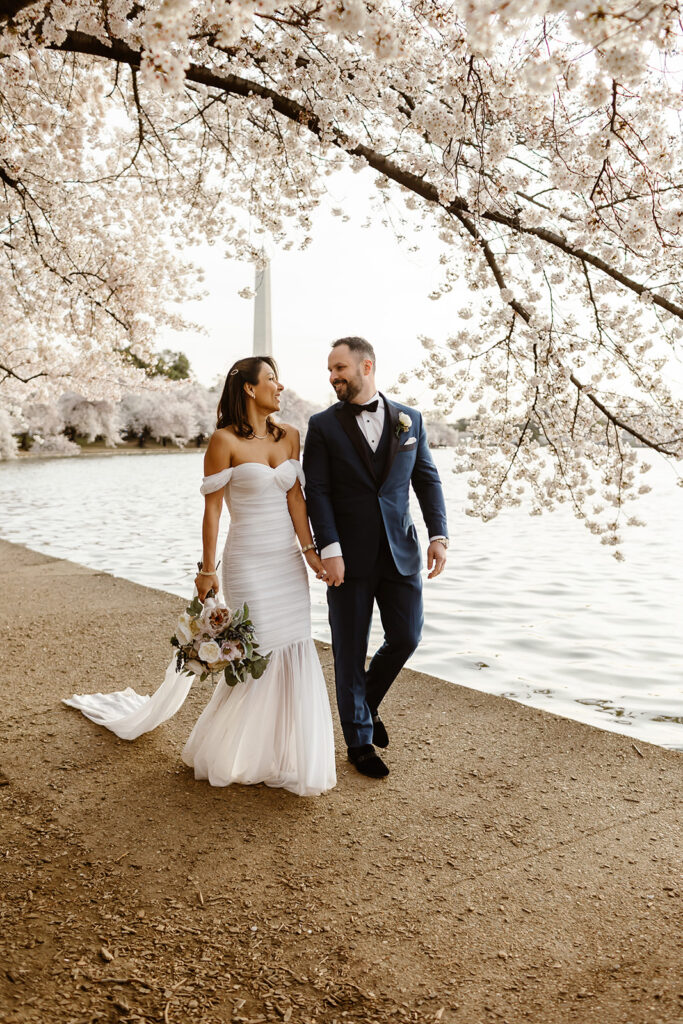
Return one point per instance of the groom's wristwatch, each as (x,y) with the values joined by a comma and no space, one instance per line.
(441,540)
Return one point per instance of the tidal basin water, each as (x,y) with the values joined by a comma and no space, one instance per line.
(533,608)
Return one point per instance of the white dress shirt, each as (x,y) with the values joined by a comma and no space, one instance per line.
(372,423)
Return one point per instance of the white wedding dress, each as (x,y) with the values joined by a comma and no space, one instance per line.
(276,729)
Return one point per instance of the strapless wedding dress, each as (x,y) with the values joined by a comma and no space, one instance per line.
(276,729)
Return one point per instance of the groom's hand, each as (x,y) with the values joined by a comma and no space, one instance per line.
(334,567)
(436,558)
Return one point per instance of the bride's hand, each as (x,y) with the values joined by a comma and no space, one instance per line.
(315,563)
(204,584)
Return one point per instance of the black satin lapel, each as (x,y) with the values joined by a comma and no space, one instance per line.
(352,430)
(394,441)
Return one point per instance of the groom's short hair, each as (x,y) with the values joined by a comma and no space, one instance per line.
(359,345)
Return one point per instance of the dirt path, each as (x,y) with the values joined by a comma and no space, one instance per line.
(515,866)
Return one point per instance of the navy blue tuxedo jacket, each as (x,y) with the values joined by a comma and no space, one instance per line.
(346,503)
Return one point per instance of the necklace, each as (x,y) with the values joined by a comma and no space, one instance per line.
(260,437)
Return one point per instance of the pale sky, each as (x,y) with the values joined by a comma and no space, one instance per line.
(350,280)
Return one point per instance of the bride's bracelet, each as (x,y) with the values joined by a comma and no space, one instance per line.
(309,547)
(202,572)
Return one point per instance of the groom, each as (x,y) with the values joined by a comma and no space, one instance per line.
(360,458)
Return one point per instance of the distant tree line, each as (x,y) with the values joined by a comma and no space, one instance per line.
(180,412)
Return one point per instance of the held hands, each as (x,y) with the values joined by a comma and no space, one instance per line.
(204,584)
(436,559)
(315,563)
(334,571)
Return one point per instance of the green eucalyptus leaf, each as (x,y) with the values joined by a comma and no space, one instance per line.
(229,674)
(258,667)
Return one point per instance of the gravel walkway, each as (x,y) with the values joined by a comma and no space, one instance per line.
(515,866)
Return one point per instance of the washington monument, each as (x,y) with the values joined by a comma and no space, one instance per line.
(263,340)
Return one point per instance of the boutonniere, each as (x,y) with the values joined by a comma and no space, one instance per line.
(404,424)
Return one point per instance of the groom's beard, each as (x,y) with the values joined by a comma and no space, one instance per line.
(347,390)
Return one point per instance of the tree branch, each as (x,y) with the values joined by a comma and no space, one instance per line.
(79,42)
(24,380)
(524,314)
(9,10)
(618,422)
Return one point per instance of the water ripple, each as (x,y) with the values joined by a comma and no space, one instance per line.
(530,608)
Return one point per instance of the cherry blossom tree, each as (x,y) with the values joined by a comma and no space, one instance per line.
(540,141)
(40,424)
(43,419)
(204,404)
(89,418)
(183,415)
(8,441)
(441,434)
(297,411)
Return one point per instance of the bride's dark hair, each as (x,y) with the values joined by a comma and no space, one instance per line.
(232,408)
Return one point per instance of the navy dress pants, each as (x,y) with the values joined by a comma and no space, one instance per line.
(350,607)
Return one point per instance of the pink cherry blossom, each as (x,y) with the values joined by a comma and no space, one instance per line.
(539,141)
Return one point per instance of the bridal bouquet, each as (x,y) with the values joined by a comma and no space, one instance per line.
(210,638)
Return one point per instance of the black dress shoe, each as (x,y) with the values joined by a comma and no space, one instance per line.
(380,736)
(365,760)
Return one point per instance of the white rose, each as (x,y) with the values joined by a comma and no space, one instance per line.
(194,666)
(182,629)
(209,652)
(405,420)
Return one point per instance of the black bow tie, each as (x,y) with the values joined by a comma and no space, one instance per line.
(370,407)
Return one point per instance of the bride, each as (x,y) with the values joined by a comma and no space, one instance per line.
(276,729)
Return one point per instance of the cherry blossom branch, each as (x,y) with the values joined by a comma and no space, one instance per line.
(78,42)
(10,8)
(17,376)
(582,389)
(69,278)
(617,421)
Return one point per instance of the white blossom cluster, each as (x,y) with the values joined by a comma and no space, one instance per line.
(539,141)
(179,412)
